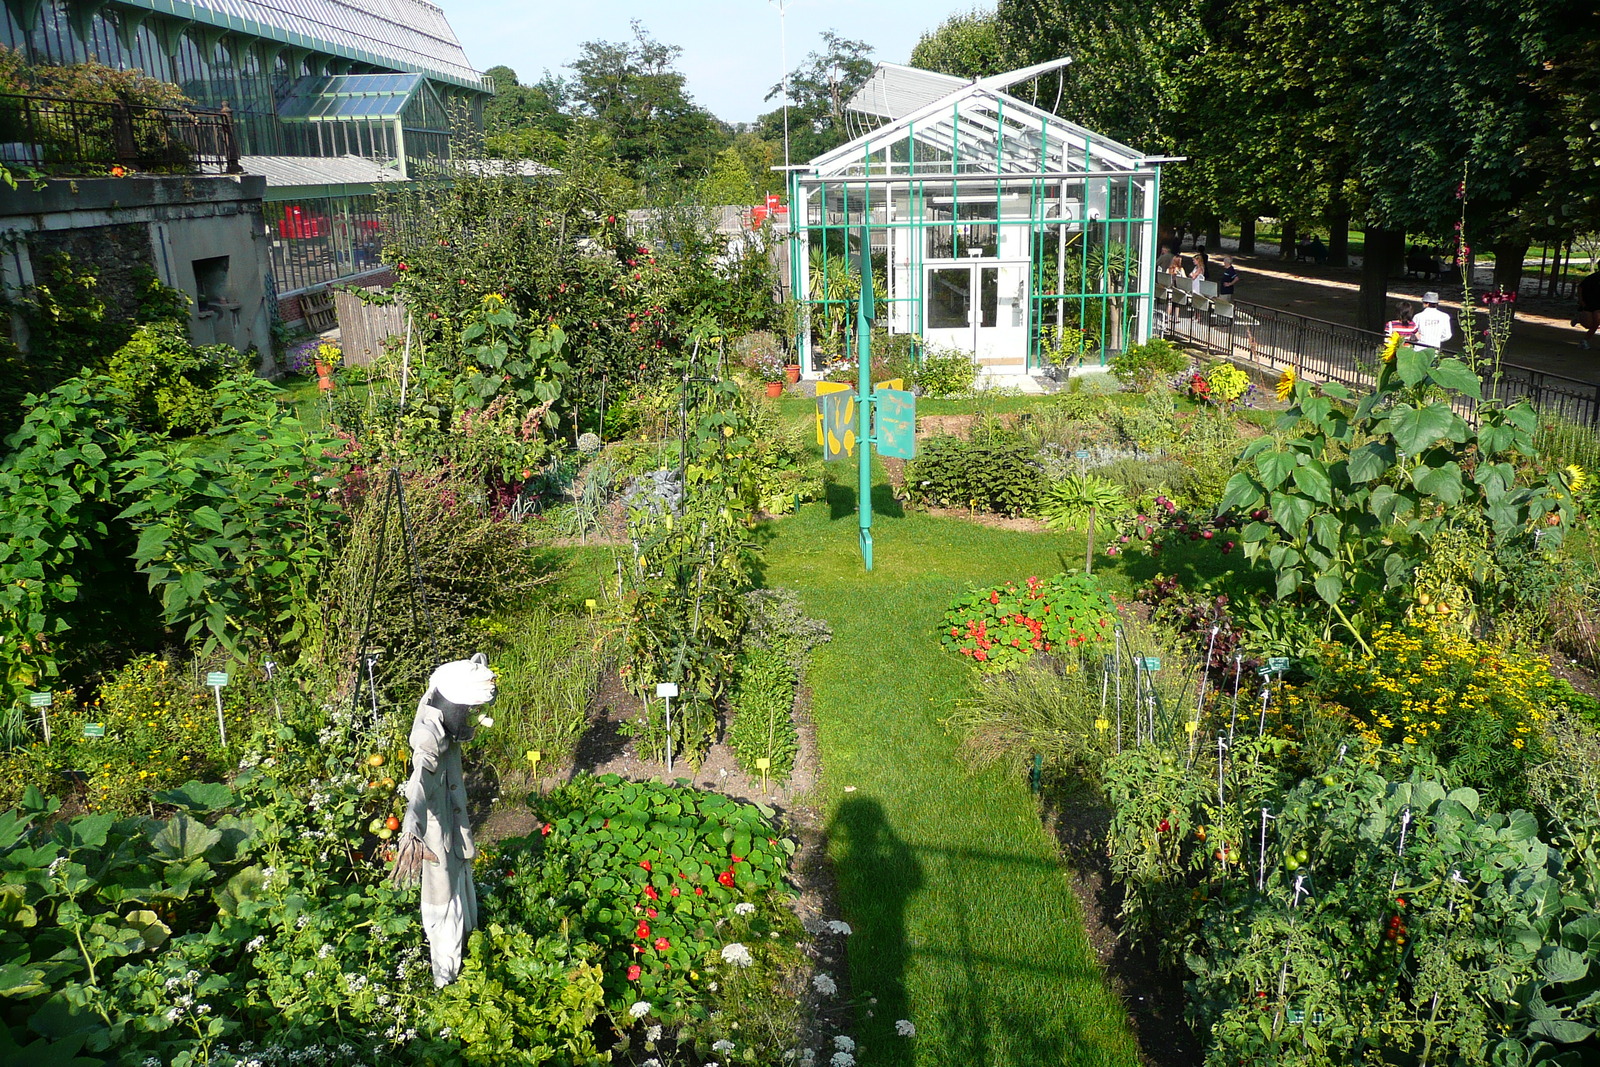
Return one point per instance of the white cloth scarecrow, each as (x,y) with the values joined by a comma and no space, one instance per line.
(436,846)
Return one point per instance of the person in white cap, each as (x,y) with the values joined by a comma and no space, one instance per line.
(436,846)
(1433,325)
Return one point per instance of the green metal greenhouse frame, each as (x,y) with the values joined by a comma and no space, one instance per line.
(1062,219)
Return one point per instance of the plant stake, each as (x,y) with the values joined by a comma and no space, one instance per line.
(1261,869)
(216,680)
(271,668)
(1238,666)
(666,691)
(42,701)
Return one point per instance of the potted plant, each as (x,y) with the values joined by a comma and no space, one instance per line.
(791,372)
(770,369)
(327,358)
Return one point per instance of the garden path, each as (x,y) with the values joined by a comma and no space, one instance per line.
(964,919)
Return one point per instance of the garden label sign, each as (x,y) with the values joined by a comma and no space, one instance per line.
(216,680)
(42,701)
(895,431)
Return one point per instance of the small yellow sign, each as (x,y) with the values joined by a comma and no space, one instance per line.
(763,764)
(589,604)
(823,389)
(534,756)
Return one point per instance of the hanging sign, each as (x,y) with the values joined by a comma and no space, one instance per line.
(1152,663)
(825,389)
(897,423)
(838,425)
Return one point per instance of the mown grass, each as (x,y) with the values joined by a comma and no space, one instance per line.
(963,919)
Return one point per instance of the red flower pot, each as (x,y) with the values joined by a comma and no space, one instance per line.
(324,376)
(791,373)
(775,389)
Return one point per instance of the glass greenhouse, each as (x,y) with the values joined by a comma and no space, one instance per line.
(995,227)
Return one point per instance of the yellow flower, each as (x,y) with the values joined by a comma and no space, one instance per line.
(1286,384)
(1391,347)
(1576,478)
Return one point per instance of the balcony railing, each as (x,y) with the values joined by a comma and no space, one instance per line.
(81,138)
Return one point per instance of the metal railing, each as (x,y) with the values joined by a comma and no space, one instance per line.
(1333,352)
(76,138)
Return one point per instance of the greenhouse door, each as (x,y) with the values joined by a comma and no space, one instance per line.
(977,308)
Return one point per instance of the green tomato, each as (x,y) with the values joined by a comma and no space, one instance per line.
(1303,856)
(1291,864)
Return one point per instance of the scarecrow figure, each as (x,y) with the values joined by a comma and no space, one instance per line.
(436,845)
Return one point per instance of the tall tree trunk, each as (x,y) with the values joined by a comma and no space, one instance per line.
(1339,234)
(1247,236)
(1214,235)
(1384,249)
(1508,257)
(1290,238)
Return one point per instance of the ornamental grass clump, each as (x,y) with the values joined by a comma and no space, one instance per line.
(1478,710)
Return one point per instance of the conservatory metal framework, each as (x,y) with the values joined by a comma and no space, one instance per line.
(996,228)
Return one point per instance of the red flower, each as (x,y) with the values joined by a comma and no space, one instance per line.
(662,944)
(980,655)
(674,891)
(645,864)
(737,859)
(699,891)
(994,597)
(545,830)
(650,891)
(634,972)
(726,878)
(642,931)
(402,265)
(650,912)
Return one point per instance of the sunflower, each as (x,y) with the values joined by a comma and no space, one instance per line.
(1391,347)
(1286,384)
(1576,478)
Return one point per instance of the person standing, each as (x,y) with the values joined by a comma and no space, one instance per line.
(1228,278)
(1588,307)
(1197,273)
(1433,324)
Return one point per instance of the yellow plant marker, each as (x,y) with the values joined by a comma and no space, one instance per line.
(823,389)
(763,764)
(589,604)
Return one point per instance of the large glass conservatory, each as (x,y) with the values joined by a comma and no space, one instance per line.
(996,228)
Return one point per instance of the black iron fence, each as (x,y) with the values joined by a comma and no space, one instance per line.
(1332,352)
(78,138)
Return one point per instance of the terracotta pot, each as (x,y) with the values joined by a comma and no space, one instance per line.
(791,373)
(774,389)
(324,376)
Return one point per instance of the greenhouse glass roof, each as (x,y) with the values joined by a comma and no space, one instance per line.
(408,35)
(973,129)
(349,97)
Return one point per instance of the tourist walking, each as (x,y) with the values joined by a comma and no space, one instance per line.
(1402,324)
(1433,325)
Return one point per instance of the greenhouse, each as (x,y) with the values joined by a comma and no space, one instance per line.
(995,227)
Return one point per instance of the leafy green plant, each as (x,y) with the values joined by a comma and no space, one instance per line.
(548,665)
(233,533)
(1001,476)
(1349,502)
(163,384)
(1004,625)
(762,706)
(1086,498)
(946,372)
(776,621)
(1141,366)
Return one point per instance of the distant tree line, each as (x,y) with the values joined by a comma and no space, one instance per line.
(1391,117)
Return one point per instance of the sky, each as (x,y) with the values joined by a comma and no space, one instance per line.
(732,52)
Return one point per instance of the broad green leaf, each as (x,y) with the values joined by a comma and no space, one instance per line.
(1292,512)
(1288,583)
(1412,364)
(1329,585)
(1335,390)
(1442,482)
(1563,1031)
(1311,478)
(1240,490)
(1559,964)
(1456,375)
(182,839)
(1371,461)
(1274,468)
(1415,429)
(198,796)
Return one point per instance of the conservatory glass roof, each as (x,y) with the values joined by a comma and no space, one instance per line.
(349,97)
(404,34)
(975,129)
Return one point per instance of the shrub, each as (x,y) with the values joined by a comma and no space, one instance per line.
(1228,385)
(1002,476)
(1141,366)
(164,384)
(946,372)
(762,705)
(1078,498)
(1004,625)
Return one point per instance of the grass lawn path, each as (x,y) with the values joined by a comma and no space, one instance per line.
(964,922)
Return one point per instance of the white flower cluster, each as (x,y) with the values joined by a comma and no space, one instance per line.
(736,954)
(844,1044)
(722,1046)
(639,1009)
(904,1028)
(842,1059)
(744,908)
(837,927)
(824,985)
